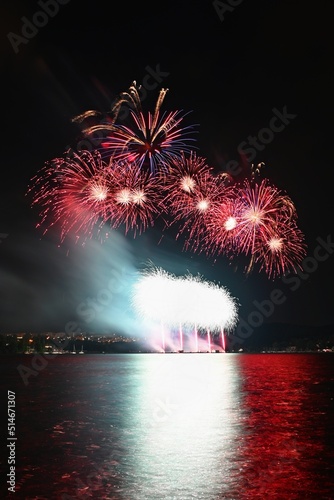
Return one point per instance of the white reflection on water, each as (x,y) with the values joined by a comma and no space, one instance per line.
(188,424)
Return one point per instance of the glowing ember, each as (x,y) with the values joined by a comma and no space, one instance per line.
(123,196)
(139,197)
(230,223)
(187,184)
(203,205)
(275,244)
(98,192)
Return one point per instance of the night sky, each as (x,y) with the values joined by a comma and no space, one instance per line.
(232,68)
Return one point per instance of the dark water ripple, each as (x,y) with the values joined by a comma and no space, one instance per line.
(174,426)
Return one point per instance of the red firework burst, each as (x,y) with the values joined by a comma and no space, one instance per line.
(151,140)
(258,220)
(73,191)
(152,170)
(193,217)
(185,175)
(192,202)
(222,223)
(283,251)
(261,204)
(137,198)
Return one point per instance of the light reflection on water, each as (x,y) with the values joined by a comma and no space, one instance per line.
(188,421)
(175,426)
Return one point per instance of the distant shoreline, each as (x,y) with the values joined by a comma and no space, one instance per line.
(52,355)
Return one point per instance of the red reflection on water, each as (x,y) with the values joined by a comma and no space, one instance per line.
(284,444)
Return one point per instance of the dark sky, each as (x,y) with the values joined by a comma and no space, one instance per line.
(231,70)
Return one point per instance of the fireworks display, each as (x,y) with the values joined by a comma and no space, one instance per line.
(192,191)
(146,169)
(151,140)
(74,192)
(183,304)
(256,219)
(81,192)
(137,197)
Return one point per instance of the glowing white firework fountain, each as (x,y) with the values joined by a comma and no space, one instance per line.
(183,303)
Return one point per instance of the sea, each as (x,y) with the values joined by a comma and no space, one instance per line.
(174,426)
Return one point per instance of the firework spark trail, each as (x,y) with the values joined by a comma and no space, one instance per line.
(147,296)
(184,175)
(74,192)
(152,171)
(187,300)
(262,204)
(283,251)
(222,223)
(265,208)
(151,140)
(83,192)
(198,219)
(137,198)
(257,220)
(193,218)
(192,193)
(206,304)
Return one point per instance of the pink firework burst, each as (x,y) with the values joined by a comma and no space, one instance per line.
(258,220)
(184,176)
(193,212)
(222,224)
(74,192)
(283,251)
(150,140)
(192,193)
(145,168)
(261,204)
(137,198)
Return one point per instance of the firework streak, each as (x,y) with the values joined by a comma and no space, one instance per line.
(147,169)
(183,304)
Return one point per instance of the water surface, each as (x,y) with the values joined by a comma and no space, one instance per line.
(173,426)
